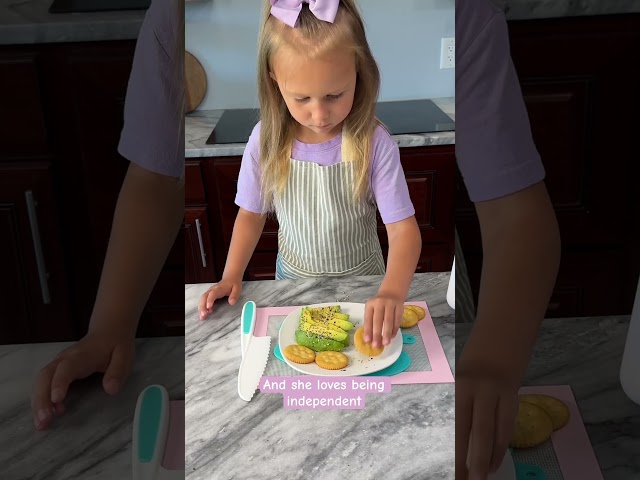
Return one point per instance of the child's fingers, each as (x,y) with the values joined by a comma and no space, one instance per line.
(505,425)
(65,373)
(202,305)
(214,294)
(398,320)
(235,293)
(59,408)
(387,327)
(367,332)
(378,320)
(118,369)
(41,407)
(207,299)
(482,433)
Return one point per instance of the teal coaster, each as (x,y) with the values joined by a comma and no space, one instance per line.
(400,365)
(277,353)
(408,339)
(529,472)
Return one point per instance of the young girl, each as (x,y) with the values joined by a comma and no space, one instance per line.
(321,161)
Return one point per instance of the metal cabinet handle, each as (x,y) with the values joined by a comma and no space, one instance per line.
(202,254)
(37,247)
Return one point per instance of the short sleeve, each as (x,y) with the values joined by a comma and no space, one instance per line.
(153,132)
(388,181)
(494,145)
(248,195)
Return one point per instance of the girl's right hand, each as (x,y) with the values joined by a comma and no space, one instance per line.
(224,288)
(111,353)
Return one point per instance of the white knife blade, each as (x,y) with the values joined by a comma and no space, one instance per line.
(253,366)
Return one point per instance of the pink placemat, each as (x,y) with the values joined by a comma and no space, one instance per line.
(571,443)
(174,450)
(440,371)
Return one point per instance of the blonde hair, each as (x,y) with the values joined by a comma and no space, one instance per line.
(314,38)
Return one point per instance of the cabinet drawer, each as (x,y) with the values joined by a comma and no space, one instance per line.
(194,187)
(21,101)
(261,267)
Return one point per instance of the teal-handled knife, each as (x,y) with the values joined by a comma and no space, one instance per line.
(247,324)
(150,429)
(255,353)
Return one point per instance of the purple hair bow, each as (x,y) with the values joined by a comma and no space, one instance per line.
(289,10)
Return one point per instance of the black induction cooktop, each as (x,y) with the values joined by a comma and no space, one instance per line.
(73,6)
(403,117)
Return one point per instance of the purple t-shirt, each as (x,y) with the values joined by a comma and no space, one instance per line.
(494,147)
(153,132)
(387,179)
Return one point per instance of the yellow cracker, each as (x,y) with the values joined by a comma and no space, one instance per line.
(332,360)
(409,318)
(299,354)
(555,408)
(533,426)
(365,348)
(418,310)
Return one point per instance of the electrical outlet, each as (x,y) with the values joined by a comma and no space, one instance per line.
(448,53)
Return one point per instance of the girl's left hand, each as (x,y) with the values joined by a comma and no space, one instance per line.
(382,318)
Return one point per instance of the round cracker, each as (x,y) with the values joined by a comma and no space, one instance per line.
(555,408)
(533,426)
(419,310)
(365,348)
(299,354)
(409,318)
(330,360)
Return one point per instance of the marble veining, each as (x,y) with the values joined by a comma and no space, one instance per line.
(586,353)
(533,9)
(259,439)
(230,439)
(29,22)
(200,124)
(93,439)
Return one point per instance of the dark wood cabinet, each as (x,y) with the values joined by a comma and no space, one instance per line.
(64,104)
(581,92)
(199,260)
(22,103)
(33,280)
(197,231)
(430,173)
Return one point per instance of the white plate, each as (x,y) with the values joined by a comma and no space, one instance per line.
(358,363)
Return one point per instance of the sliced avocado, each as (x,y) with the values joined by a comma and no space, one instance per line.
(316,343)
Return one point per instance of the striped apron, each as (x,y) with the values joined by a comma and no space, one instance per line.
(323,232)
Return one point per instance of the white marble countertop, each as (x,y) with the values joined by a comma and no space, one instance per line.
(200,124)
(586,353)
(533,9)
(223,433)
(93,439)
(29,22)
(407,433)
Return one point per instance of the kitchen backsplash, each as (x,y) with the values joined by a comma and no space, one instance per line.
(222,35)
